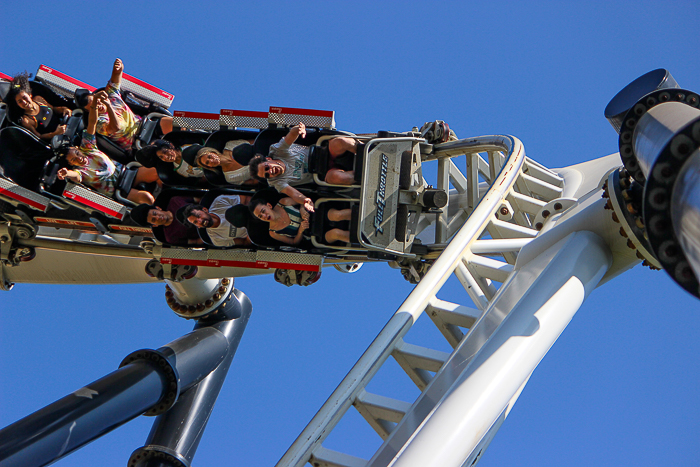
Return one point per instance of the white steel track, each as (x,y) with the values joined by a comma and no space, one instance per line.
(482,254)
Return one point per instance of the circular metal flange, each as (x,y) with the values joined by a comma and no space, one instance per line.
(556,206)
(348,268)
(656,208)
(651,100)
(199,310)
(625,199)
(165,369)
(167,456)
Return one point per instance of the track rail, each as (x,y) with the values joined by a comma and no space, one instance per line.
(481,252)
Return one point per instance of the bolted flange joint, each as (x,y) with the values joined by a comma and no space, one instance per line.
(166,370)
(160,453)
(195,299)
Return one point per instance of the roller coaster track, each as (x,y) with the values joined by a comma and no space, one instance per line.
(482,254)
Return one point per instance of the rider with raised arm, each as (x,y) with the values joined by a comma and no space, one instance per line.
(288,220)
(117,122)
(94,169)
(288,165)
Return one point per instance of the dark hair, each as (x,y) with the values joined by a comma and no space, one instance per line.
(162,144)
(253,165)
(186,212)
(64,149)
(140,214)
(19,83)
(254,203)
(148,155)
(237,215)
(81,95)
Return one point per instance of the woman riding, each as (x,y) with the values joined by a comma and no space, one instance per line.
(235,172)
(94,169)
(169,153)
(116,121)
(33,112)
(288,220)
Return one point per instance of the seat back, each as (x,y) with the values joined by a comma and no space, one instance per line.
(23,156)
(3,114)
(112,150)
(318,161)
(4,89)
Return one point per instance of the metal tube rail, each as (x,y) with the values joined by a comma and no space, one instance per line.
(147,381)
(415,304)
(125,251)
(461,414)
(176,434)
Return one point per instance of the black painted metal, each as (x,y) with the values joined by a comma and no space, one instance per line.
(200,359)
(71,422)
(176,434)
(629,95)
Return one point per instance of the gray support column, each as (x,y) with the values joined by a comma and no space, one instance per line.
(176,434)
(73,421)
(148,382)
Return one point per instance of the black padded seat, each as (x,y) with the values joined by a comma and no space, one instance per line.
(126,181)
(218,139)
(140,106)
(112,150)
(267,138)
(3,115)
(51,96)
(318,160)
(181,138)
(320,223)
(23,156)
(4,89)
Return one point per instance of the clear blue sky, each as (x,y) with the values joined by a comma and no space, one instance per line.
(620,387)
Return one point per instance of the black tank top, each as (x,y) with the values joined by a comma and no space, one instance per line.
(46,120)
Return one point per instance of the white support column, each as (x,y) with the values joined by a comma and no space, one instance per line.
(544,294)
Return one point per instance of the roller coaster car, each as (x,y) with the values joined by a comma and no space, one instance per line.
(30,163)
(392,196)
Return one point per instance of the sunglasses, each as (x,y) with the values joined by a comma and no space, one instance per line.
(266,170)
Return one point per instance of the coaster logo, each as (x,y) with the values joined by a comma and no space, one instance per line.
(380,199)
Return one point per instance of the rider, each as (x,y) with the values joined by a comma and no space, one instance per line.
(288,164)
(174,232)
(213,219)
(167,152)
(288,220)
(33,112)
(234,172)
(93,168)
(117,122)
